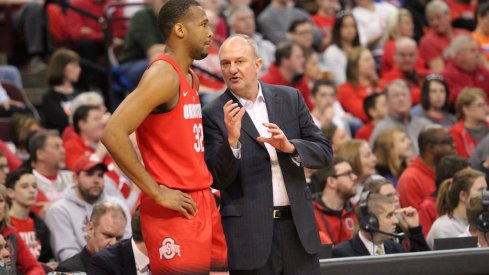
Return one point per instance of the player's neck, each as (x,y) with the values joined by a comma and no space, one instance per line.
(182,58)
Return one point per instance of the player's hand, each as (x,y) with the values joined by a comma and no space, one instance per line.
(232,119)
(278,139)
(410,216)
(176,200)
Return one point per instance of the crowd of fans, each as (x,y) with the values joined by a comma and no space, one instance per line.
(399,88)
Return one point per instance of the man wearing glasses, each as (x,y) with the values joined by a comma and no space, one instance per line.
(334,212)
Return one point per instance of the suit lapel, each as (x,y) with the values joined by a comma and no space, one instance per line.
(359,247)
(273,102)
(247,125)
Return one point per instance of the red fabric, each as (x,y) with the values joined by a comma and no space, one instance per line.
(415,86)
(27,231)
(184,246)
(68,133)
(457,79)
(387,62)
(427,214)
(324,24)
(365,131)
(273,76)
(41,198)
(57,23)
(171,144)
(416,183)
(351,98)
(76,148)
(13,161)
(432,45)
(462,10)
(26,263)
(76,21)
(464,143)
(334,229)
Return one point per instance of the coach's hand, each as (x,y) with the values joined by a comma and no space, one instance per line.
(176,200)
(278,139)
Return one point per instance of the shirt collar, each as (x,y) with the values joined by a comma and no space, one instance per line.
(245,102)
(141,260)
(371,247)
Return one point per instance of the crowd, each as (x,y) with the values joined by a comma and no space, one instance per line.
(398,89)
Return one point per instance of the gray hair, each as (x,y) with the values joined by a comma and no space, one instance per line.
(86,98)
(396,83)
(403,41)
(437,5)
(232,15)
(458,44)
(246,38)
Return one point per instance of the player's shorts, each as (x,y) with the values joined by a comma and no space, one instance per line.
(177,245)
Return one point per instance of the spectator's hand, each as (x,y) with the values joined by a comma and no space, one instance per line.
(86,30)
(52,265)
(278,139)
(44,209)
(410,215)
(117,41)
(17,104)
(232,119)
(176,200)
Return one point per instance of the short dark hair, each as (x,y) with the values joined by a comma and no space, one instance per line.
(322,82)
(425,91)
(369,103)
(137,234)
(329,130)
(171,13)
(81,114)
(13,177)
(483,8)
(293,26)
(321,176)
(283,50)
(427,137)
(449,166)
(37,142)
(56,69)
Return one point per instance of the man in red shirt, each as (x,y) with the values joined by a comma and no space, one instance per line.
(335,214)
(433,43)
(405,53)
(179,218)
(417,182)
(288,70)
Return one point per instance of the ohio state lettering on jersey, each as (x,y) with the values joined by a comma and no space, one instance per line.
(32,243)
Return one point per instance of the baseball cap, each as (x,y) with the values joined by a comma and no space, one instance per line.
(86,163)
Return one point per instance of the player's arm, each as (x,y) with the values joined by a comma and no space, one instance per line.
(160,84)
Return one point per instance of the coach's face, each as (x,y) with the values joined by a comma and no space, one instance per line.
(240,66)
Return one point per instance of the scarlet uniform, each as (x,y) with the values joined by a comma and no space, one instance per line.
(172,149)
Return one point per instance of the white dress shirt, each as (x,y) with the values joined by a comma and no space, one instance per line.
(142,261)
(371,247)
(258,113)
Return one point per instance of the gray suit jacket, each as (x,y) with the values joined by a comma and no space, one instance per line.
(246,183)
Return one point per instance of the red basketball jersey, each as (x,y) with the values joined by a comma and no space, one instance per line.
(172,143)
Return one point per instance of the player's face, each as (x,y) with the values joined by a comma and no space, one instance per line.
(199,32)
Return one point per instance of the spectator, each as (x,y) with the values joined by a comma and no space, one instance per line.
(9,106)
(463,68)
(326,108)
(334,212)
(324,18)
(417,10)
(375,108)
(288,70)
(4,168)
(22,127)
(105,228)
(445,169)
(68,218)
(481,33)
(417,182)
(479,160)
(47,161)
(413,236)
(392,149)
(128,256)
(22,193)
(398,100)
(359,155)
(463,13)
(21,258)
(301,32)
(376,212)
(241,20)
(5,259)
(477,217)
(405,53)
(344,39)
(372,20)
(13,162)
(435,102)
(361,81)
(451,202)
(434,43)
(63,72)
(400,24)
(335,135)
(472,109)
(143,42)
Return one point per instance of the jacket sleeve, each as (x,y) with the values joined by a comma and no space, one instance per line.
(417,240)
(98,265)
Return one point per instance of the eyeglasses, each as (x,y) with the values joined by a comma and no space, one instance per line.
(347,173)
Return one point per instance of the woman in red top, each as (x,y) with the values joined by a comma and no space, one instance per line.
(361,81)
(471,107)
